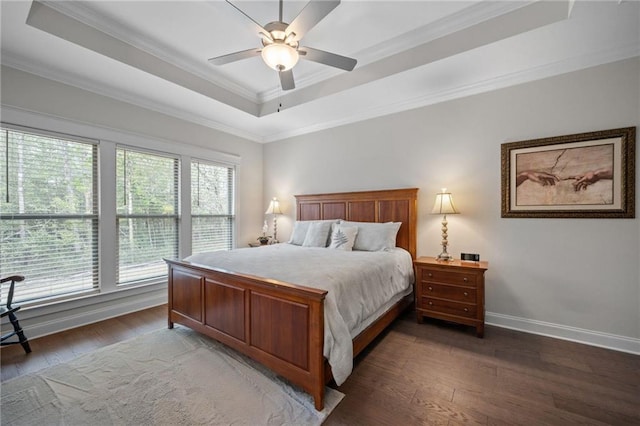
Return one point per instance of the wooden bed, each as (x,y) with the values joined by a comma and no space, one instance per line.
(279,324)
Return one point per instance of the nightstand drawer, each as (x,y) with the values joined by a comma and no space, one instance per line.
(449,277)
(460,294)
(447,307)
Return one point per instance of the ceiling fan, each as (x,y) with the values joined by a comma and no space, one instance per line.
(281,43)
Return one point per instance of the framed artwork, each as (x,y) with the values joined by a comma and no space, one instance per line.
(586,175)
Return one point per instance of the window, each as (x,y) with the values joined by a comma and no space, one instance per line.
(52,214)
(147,214)
(212,206)
(48,213)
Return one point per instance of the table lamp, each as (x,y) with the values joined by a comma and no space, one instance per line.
(274,209)
(444,205)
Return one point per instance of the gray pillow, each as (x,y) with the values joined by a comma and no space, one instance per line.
(299,232)
(317,234)
(374,236)
(300,229)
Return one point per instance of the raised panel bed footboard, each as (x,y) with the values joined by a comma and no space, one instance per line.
(278,324)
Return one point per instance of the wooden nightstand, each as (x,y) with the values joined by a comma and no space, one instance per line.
(451,291)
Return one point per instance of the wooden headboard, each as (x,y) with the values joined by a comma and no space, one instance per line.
(393,205)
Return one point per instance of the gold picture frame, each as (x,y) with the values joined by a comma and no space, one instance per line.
(585,175)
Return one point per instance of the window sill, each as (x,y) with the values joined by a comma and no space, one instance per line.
(43,319)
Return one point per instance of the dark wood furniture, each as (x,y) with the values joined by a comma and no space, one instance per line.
(279,324)
(9,310)
(451,291)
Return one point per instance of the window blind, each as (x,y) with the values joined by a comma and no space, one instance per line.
(147,214)
(48,213)
(212,206)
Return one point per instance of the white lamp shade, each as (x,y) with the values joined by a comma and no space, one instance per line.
(274,207)
(280,56)
(444,203)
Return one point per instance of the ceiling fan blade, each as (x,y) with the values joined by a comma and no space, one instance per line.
(327,58)
(236,56)
(257,27)
(312,13)
(286,80)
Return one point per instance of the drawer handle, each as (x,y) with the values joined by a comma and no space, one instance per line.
(430,288)
(465,294)
(429,274)
(465,279)
(431,303)
(466,309)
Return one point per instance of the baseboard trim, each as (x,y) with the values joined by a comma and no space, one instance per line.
(35,327)
(558,331)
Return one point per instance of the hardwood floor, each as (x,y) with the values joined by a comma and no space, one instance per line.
(432,373)
(439,373)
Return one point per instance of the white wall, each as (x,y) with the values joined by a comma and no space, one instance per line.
(36,102)
(571,278)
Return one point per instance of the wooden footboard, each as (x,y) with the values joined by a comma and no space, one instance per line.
(278,324)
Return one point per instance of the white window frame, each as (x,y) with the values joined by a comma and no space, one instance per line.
(108,139)
(96,270)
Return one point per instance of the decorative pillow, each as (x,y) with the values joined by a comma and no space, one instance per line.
(299,232)
(343,237)
(374,236)
(300,229)
(317,234)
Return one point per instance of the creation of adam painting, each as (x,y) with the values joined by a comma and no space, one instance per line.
(584,175)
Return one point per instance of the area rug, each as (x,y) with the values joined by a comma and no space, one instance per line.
(167,377)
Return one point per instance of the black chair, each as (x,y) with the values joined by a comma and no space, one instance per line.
(10,311)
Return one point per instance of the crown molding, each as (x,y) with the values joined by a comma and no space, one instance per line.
(519,21)
(55,23)
(119,95)
(81,12)
(84,129)
(465,18)
(507,80)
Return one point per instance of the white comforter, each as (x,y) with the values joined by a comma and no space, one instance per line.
(360,285)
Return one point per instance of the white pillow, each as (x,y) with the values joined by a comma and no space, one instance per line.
(343,237)
(300,229)
(374,236)
(317,234)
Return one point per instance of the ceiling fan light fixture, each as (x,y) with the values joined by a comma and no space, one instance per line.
(281,40)
(278,35)
(280,56)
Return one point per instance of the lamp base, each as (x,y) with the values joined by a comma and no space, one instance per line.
(444,256)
